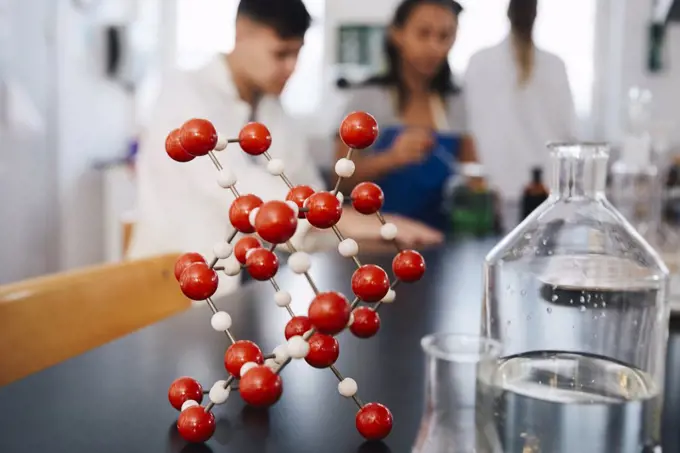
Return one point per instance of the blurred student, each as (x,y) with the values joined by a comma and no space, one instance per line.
(180,206)
(518,99)
(416,103)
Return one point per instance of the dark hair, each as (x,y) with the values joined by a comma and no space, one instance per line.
(522,15)
(442,83)
(288,18)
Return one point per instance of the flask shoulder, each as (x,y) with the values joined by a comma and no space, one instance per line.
(587,227)
(628,242)
(514,244)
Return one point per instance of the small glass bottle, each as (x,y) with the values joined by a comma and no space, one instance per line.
(636,187)
(666,239)
(578,300)
(472,204)
(535,193)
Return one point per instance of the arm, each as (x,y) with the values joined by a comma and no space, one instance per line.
(366,230)
(310,239)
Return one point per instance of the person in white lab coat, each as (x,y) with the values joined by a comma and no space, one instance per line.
(519,99)
(180,207)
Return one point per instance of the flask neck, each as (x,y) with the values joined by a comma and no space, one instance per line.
(579,170)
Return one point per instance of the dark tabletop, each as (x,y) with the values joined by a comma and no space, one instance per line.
(114,398)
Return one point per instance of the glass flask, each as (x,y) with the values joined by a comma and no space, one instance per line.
(578,300)
(636,185)
(667,238)
(457,416)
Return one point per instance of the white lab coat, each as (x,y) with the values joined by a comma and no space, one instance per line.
(512,125)
(180,206)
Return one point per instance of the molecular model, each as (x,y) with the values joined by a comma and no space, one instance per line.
(309,337)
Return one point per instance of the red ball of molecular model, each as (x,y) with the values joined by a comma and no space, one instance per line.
(310,337)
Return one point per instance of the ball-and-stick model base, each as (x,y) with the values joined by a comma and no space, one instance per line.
(311,336)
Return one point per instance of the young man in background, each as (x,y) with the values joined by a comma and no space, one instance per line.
(180,206)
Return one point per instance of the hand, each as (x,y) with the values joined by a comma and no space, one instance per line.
(414,234)
(412,146)
(410,233)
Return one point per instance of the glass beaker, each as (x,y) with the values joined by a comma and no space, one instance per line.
(578,300)
(457,415)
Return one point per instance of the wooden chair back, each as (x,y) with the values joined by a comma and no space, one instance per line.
(46,320)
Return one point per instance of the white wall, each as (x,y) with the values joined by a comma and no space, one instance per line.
(28,207)
(347,12)
(94,123)
(622,64)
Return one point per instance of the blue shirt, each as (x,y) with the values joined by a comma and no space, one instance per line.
(414,191)
(417,191)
